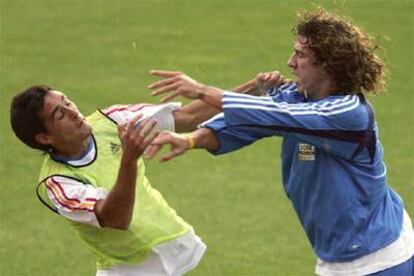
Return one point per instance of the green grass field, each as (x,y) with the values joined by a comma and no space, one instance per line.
(100,52)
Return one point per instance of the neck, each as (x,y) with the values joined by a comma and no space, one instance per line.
(73,150)
(324,90)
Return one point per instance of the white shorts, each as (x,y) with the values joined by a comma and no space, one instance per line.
(167,259)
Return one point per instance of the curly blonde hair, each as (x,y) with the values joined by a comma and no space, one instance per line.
(344,50)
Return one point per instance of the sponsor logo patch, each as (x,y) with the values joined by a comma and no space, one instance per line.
(115,148)
(306,152)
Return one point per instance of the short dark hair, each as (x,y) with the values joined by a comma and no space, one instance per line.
(345,51)
(25,118)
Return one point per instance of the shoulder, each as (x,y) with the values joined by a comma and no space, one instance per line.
(60,183)
(60,190)
(287,92)
(72,198)
(72,193)
(120,108)
(350,111)
(120,113)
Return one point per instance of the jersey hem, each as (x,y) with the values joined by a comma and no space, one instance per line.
(114,262)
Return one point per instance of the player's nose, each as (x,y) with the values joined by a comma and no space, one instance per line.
(72,112)
(291,62)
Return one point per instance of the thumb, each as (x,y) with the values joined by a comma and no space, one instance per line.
(121,130)
(165,137)
(172,154)
(151,151)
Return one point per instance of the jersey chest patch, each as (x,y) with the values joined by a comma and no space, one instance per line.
(306,152)
(115,148)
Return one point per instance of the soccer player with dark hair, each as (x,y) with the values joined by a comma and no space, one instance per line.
(332,160)
(93,175)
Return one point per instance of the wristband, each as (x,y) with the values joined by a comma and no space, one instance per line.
(190,140)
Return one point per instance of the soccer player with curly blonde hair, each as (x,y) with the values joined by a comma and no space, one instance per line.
(332,159)
(343,50)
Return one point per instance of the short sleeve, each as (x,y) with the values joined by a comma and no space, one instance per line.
(162,113)
(74,199)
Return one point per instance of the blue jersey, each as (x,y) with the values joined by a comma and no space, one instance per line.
(332,165)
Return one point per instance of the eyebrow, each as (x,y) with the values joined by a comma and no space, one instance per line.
(299,51)
(57,108)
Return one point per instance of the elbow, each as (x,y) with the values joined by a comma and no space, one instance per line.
(109,218)
(123,227)
(116,225)
(111,222)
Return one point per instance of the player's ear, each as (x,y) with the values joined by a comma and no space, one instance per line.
(43,138)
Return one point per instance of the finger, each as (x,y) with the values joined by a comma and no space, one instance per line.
(274,78)
(246,86)
(165,137)
(133,122)
(280,80)
(277,80)
(148,140)
(136,131)
(162,82)
(151,151)
(275,75)
(170,96)
(172,154)
(259,76)
(147,127)
(266,77)
(164,89)
(121,130)
(164,73)
(156,145)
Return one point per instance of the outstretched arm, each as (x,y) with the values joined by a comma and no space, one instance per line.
(177,83)
(208,101)
(188,117)
(202,138)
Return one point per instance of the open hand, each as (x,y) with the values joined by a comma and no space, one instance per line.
(178,145)
(268,80)
(174,84)
(135,139)
(261,83)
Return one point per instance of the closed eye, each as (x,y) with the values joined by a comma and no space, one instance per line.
(69,103)
(61,114)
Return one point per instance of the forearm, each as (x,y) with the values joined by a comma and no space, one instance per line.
(205,138)
(116,209)
(207,105)
(249,87)
(191,115)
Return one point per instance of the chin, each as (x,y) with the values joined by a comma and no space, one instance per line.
(87,129)
(300,87)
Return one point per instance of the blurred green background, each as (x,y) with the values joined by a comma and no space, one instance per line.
(99,53)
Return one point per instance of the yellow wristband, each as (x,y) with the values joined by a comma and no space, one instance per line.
(190,140)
